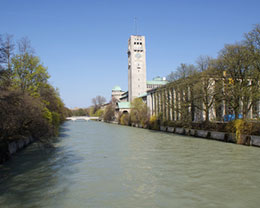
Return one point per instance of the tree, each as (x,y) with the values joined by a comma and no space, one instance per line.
(29,105)
(203,63)
(139,112)
(182,71)
(109,114)
(28,73)
(21,115)
(206,86)
(6,53)
(97,102)
(241,80)
(24,46)
(181,89)
(6,50)
(5,80)
(252,42)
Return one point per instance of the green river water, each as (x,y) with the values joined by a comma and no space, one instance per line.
(101,165)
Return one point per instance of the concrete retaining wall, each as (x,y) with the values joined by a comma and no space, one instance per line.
(192,132)
(255,141)
(13,147)
(220,136)
(179,130)
(163,128)
(170,129)
(231,138)
(202,133)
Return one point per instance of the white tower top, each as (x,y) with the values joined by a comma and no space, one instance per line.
(136,67)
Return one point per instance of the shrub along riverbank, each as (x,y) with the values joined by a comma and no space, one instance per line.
(234,132)
(30,108)
(238,131)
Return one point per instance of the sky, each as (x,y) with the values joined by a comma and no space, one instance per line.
(84,42)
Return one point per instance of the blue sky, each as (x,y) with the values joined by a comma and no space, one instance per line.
(84,42)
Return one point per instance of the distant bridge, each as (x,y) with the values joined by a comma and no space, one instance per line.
(86,118)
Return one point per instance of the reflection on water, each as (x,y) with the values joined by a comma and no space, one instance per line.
(94,164)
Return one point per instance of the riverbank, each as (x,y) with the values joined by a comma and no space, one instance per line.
(7,149)
(249,140)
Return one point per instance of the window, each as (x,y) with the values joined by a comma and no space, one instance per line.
(141,43)
(134,43)
(138,67)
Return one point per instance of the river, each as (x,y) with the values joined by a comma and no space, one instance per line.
(99,165)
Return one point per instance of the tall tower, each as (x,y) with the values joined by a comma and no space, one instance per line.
(136,67)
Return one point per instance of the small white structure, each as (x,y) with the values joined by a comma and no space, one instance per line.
(86,118)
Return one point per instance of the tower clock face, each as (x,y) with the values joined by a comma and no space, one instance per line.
(138,55)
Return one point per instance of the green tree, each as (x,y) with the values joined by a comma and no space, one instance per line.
(139,112)
(109,114)
(28,73)
(29,105)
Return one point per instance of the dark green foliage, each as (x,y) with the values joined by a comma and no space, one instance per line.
(139,112)
(109,114)
(29,106)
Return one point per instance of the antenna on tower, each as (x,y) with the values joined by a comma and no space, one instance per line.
(135,25)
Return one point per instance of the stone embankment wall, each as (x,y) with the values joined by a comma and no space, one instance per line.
(251,140)
(10,148)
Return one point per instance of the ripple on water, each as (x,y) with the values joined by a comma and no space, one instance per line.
(94,164)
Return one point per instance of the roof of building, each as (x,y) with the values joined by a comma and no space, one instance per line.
(157,82)
(158,78)
(117,88)
(124,96)
(125,93)
(124,105)
(143,95)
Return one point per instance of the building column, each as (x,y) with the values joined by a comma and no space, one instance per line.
(173,104)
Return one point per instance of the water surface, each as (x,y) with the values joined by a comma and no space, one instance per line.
(98,165)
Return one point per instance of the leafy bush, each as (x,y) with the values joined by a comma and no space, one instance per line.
(125,119)
(240,127)
(109,114)
(99,113)
(154,123)
(139,112)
